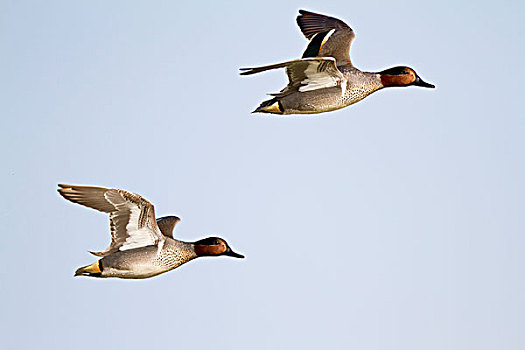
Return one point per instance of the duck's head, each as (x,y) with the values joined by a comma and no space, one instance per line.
(402,76)
(214,246)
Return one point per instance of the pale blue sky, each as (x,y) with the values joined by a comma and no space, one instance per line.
(396,223)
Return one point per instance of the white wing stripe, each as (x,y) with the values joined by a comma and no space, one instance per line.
(326,37)
(138,237)
(316,79)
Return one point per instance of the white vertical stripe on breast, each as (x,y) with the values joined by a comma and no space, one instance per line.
(344,85)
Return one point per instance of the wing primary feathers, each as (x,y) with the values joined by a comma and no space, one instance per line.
(131,217)
(312,23)
(329,36)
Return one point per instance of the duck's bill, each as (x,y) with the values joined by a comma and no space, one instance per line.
(231,253)
(420,82)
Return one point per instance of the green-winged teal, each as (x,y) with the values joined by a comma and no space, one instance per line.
(324,79)
(141,246)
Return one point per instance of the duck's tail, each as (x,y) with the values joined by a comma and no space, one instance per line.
(93,270)
(273,106)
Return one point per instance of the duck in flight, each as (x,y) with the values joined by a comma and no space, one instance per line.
(141,246)
(324,79)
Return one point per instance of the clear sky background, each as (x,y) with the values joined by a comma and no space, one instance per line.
(395,223)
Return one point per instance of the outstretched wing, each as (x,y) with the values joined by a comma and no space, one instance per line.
(329,37)
(131,217)
(166,225)
(305,74)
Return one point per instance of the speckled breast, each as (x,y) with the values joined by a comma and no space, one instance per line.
(174,254)
(359,86)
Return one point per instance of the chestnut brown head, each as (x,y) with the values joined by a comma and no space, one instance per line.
(214,246)
(402,76)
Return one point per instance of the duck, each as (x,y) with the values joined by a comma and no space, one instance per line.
(325,79)
(141,245)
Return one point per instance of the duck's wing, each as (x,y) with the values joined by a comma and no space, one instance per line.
(305,74)
(131,217)
(166,225)
(329,37)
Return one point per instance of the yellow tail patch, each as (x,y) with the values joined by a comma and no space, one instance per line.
(90,270)
(274,108)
